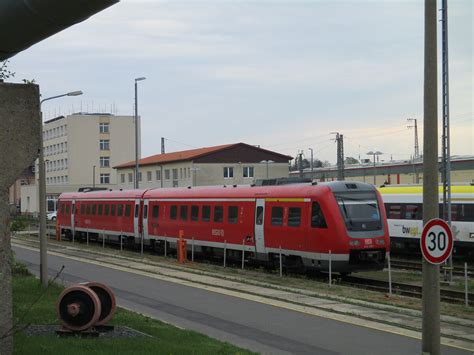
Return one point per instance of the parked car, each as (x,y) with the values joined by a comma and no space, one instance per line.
(51,216)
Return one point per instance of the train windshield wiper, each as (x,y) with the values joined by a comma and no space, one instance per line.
(348,217)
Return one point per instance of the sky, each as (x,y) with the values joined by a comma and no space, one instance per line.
(283,75)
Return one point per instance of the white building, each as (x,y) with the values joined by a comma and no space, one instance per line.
(230,164)
(79,151)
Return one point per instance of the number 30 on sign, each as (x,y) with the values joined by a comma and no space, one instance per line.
(436,241)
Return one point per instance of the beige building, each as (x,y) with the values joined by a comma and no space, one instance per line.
(393,172)
(231,164)
(79,151)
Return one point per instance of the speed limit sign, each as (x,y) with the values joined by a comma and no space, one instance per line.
(436,241)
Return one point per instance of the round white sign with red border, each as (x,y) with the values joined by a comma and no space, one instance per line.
(436,241)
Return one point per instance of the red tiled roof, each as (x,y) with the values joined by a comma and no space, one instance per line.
(185,155)
(175,156)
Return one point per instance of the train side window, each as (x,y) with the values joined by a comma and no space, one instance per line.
(194,213)
(136,210)
(145,212)
(277,216)
(218,213)
(466,213)
(183,213)
(394,211)
(106,209)
(127,210)
(259,216)
(233,214)
(94,209)
(99,211)
(67,209)
(206,213)
(294,217)
(412,211)
(174,212)
(112,210)
(120,210)
(317,217)
(88,209)
(83,209)
(155,211)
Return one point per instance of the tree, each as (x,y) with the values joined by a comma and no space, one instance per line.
(350,161)
(4,72)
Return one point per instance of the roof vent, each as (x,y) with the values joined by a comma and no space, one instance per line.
(110,189)
(234,185)
(314,183)
(121,189)
(189,187)
(225,186)
(351,186)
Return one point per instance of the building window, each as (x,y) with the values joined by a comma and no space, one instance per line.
(130,177)
(228,172)
(181,173)
(167,174)
(158,174)
(122,178)
(104,144)
(148,176)
(248,172)
(103,127)
(104,162)
(140,176)
(175,174)
(105,178)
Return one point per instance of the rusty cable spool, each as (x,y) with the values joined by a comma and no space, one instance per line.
(107,301)
(78,308)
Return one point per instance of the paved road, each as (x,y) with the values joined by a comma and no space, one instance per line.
(252,325)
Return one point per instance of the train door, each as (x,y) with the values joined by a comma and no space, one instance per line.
(145,219)
(136,217)
(73,212)
(259,225)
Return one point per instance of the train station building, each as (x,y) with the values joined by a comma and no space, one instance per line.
(229,164)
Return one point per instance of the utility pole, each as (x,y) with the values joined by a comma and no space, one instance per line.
(340,155)
(431,292)
(416,155)
(415,125)
(446,155)
(311,162)
(162,145)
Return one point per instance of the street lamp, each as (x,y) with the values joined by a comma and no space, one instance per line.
(374,154)
(136,129)
(42,196)
(267,162)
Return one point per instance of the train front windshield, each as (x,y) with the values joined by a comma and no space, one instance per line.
(360,210)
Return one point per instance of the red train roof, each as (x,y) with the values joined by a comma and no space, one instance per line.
(118,194)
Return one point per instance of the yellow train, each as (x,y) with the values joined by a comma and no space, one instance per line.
(404,208)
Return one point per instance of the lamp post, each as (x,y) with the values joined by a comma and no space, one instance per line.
(42,196)
(374,154)
(136,129)
(311,162)
(266,162)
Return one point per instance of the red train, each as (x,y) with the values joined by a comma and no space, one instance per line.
(310,224)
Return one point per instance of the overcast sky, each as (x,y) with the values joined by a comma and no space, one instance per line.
(279,74)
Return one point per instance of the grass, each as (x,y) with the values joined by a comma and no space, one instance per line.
(165,339)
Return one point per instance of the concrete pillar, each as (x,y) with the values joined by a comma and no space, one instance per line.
(20,125)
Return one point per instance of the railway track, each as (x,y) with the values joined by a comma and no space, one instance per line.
(408,290)
(404,289)
(418,266)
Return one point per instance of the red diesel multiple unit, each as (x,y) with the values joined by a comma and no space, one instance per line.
(341,222)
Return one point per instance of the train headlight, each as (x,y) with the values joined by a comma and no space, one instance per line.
(380,242)
(354,243)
